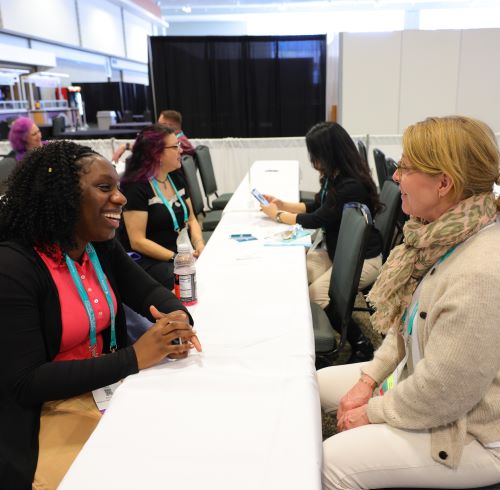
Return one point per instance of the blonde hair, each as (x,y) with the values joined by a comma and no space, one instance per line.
(460,146)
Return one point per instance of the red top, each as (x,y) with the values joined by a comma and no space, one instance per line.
(75,340)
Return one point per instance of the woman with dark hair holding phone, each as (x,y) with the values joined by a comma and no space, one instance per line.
(158,206)
(344,177)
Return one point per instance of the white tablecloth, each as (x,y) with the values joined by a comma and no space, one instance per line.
(279,178)
(245,413)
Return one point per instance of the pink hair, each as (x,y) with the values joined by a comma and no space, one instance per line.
(18,134)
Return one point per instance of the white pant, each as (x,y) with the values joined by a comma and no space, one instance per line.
(381,456)
(319,271)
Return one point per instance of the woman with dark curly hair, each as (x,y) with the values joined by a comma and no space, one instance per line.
(344,177)
(158,203)
(62,283)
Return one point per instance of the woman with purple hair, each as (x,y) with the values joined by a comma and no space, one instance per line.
(24,135)
(158,203)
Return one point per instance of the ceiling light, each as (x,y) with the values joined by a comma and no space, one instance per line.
(186,9)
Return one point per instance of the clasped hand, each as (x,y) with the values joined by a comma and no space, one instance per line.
(353,418)
(157,342)
(353,406)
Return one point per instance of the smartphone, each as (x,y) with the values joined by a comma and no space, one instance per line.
(260,197)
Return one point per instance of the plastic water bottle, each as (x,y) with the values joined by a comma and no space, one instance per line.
(185,275)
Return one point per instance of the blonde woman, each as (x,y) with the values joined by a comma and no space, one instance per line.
(426,411)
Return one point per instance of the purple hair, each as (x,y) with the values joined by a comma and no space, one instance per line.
(18,134)
(146,153)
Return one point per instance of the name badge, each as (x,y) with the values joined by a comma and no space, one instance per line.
(102,396)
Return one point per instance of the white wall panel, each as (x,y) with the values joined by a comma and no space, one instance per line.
(370,77)
(25,56)
(479,77)
(75,55)
(13,40)
(137,31)
(50,19)
(81,73)
(212,28)
(101,26)
(429,69)
(332,73)
(135,77)
(397,79)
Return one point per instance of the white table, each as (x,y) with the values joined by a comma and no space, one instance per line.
(245,413)
(279,178)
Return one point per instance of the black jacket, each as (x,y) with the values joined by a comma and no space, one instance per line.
(329,214)
(30,337)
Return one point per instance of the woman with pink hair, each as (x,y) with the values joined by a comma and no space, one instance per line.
(24,135)
(158,203)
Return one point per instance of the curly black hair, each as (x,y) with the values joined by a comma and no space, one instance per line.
(42,203)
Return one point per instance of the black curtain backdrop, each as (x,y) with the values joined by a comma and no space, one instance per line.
(113,96)
(240,86)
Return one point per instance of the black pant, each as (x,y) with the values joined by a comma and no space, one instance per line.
(162,271)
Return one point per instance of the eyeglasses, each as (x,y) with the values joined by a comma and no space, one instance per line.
(174,147)
(402,169)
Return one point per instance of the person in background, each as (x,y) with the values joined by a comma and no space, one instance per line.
(435,418)
(62,283)
(158,205)
(344,177)
(24,135)
(173,120)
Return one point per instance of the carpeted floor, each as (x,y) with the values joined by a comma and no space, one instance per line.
(329,421)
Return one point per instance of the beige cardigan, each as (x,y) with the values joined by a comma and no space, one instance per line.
(455,389)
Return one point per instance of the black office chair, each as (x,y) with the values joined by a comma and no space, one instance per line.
(386,220)
(7,166)
(204,161)
(362,151)
(346,271)
(390,166)
(381,167)
(306,196)
(4,130)
(211,218)
(58,126)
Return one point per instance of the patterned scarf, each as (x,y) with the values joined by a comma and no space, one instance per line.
(424,243)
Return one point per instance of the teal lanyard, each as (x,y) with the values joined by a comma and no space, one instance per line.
(154,182)
(86,301)
(323,192)
(415,306)
(179,134)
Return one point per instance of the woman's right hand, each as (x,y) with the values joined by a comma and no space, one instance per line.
(357,396)
(274,200)
(156,343)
